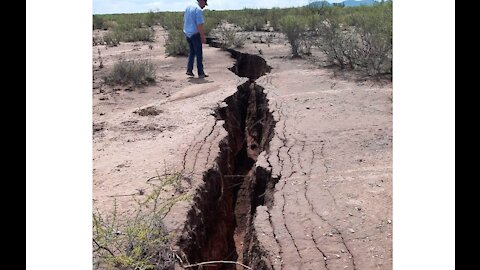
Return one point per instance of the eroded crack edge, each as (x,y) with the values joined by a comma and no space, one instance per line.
(208,231)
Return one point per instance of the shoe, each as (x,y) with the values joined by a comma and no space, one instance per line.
(190,74)
(202,76)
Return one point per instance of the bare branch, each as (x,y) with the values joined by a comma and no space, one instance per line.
(102,247)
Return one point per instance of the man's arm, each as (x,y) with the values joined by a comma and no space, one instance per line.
(201,30)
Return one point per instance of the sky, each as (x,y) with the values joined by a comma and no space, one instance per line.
(139,6)
(59,133)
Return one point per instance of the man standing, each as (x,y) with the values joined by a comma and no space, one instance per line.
(193,27)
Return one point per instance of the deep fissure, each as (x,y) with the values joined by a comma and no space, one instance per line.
(220,223)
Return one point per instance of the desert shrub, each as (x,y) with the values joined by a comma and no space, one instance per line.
(358,38)
(248,19)
(229,36)
(176,43)
(108,24)
(134,72)
(127,27)
(312,21)
(151,18)
(306,43)
(337,44)
(111,39)
(98,22)
(373,26)
(239,40)
(273,18)
(135,34)
(212,21)
(172,21)
(142,241)
(226,35)
(293,27)
(130,31)
(252,23)
(136,20)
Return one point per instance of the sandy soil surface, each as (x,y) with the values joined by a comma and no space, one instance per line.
(330,153)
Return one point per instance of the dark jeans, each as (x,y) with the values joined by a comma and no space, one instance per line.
(195,44)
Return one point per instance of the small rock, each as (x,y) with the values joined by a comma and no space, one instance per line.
(389,221)
(324,258)
(330,234)
(351,230)
(338,256)
(308,108)
(350,214)
(342,250)
(358,208)
(331,104)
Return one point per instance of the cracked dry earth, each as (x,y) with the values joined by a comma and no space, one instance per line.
(290,169)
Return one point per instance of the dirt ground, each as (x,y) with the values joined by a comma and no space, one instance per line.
(330,151)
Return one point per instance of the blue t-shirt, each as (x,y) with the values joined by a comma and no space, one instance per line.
(193,16)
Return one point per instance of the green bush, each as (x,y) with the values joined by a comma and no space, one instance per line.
(134,72)
(211,22)
(229,36)
(108,25)
(252,23)
(293,27)
(126,27)
(172,21)
(151,18)
(273,18)
(373,26)
(337,44)
(135,34)
(142,241)
(306,43)
(111,39)
(176,43)
(247,19)
(358,38)
(98,22)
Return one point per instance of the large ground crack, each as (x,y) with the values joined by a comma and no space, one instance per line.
(219,225)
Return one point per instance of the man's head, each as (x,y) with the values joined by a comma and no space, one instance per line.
(202,3)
